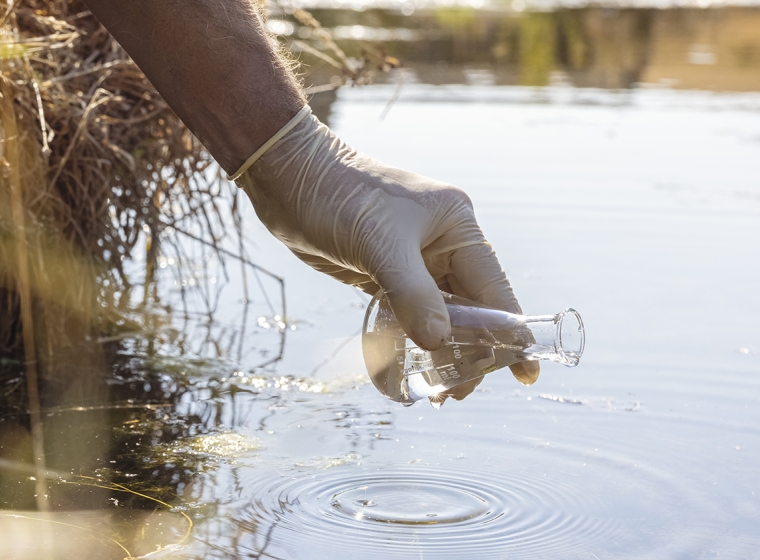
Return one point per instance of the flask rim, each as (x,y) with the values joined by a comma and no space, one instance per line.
(569,359)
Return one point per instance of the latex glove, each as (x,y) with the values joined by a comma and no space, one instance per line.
(374,226)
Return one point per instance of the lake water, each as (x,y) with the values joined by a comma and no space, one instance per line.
(639,208)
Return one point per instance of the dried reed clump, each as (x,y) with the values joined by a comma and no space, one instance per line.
(93,160)
(100,158)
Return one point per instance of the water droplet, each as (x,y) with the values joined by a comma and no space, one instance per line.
(366,503)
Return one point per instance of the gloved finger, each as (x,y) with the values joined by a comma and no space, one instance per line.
(455,287)
(477,272)
(461,391)
(369,287)
(446,287)
(345,275)
(526,372)
(415,299)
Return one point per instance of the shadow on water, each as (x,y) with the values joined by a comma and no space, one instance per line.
(162,442)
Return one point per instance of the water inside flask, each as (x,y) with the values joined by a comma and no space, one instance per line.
(482,340)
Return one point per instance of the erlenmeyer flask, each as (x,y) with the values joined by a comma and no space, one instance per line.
(482,340)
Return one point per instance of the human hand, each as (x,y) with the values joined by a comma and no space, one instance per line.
(374,226)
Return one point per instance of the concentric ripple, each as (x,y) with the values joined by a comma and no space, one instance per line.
(442,511)
(410,502)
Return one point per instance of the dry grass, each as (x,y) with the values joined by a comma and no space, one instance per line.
(103,168)
(101,159)
(346,71)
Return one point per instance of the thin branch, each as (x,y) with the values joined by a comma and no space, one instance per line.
(305,47)
(40,111)
(226,252)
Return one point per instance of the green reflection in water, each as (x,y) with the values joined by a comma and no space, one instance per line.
(714,49)
(538,46)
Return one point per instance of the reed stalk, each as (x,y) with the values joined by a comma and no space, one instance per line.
(12,171)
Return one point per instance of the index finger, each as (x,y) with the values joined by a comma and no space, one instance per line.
(477,272)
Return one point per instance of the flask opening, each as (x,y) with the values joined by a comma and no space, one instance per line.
(570,338)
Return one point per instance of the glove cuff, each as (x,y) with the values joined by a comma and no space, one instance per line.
(271,142)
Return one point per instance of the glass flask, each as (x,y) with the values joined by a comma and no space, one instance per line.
(482,340)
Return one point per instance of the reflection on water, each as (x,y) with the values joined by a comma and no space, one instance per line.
(716,49)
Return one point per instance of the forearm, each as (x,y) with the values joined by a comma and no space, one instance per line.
(213,63)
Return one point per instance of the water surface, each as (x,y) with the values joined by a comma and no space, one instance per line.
(642,210)
(639,208)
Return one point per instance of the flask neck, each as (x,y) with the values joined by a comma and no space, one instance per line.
(559,338)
